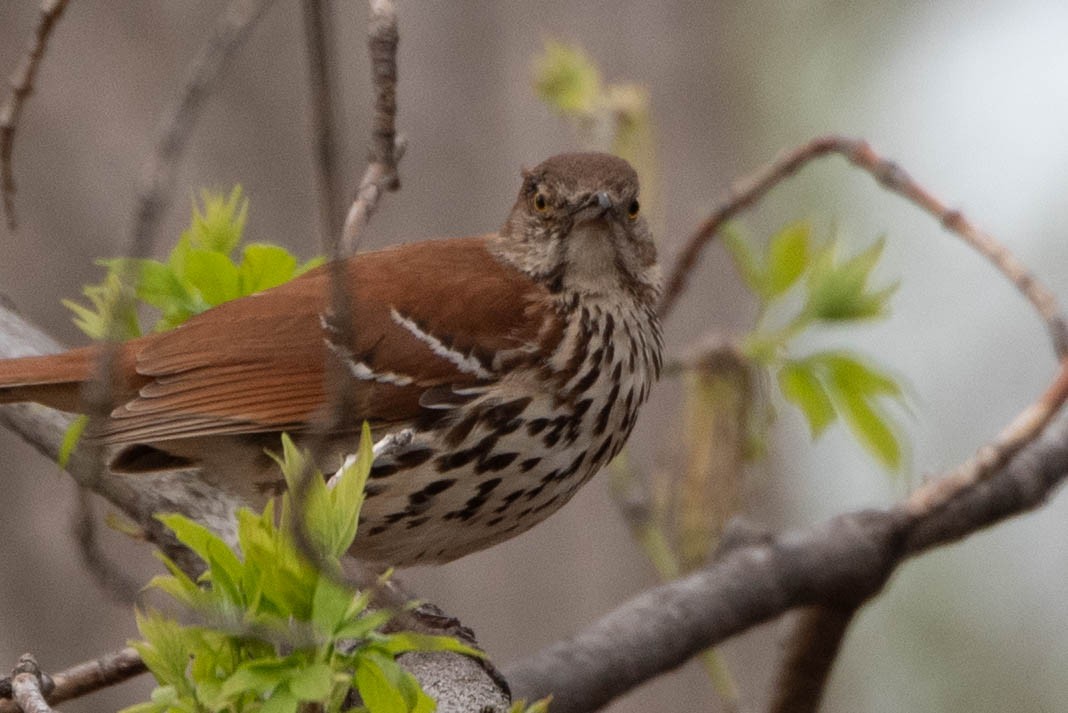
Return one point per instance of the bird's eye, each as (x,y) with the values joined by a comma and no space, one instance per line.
(633,210)
(541,204)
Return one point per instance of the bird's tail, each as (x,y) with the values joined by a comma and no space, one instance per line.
(55,380)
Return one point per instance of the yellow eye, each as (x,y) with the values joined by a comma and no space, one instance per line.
(540,203)
(633,209)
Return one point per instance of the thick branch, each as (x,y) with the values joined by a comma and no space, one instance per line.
(847,558)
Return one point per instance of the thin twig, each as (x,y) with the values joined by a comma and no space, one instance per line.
(749,190)
(322,68)
(21,82)
(387,147)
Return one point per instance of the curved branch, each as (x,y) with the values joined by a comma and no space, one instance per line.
(748,191)
(21,88)
(843,560)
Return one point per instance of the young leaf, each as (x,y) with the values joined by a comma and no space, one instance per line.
(787,257)
(745,260)
(71,437)
(839,292)
(265,266)
(566,79)
(802,388)
(870,427)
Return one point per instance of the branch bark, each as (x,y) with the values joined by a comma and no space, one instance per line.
(843,560)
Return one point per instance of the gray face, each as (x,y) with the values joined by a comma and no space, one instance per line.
(577,226)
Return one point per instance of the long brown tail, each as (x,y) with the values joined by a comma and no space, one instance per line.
(55,380)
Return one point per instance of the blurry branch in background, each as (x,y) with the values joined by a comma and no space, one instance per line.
(232,28)
(21,83)
(387,147)
(321,45)
(749,190)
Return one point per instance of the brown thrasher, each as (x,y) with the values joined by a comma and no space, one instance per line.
(512,363)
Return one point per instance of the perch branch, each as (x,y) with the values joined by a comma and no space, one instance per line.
(386,146)
(891,176)
(841,561)
(21,83)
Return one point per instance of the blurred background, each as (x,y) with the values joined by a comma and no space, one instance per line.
(968,96)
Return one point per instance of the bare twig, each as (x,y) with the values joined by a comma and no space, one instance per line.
(386,146)
(322,66)
(21,83)
(157,179)
(749,190)
(89,677)
(29,686)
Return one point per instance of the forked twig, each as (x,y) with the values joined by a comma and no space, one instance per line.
(21,83)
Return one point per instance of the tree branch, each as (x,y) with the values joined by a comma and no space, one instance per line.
(846,559)
(747,191)
(387,147)
(21,83)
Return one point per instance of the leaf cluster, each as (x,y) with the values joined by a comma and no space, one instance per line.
(832,384)
(208,266)
(273,630)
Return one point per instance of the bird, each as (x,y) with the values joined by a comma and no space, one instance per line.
(499,372)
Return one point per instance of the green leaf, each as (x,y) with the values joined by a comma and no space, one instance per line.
(71,437)
(840,292)
(787,257)
(312,682)
(265,266)
(870,426)
(224,568)
(281,702)
(110,315)
(379,690)
(803,389)
(566,79)
(853,374)
(165,650)
(405,641)
(260,676)
(219,225)
(212,275)
(745,260)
